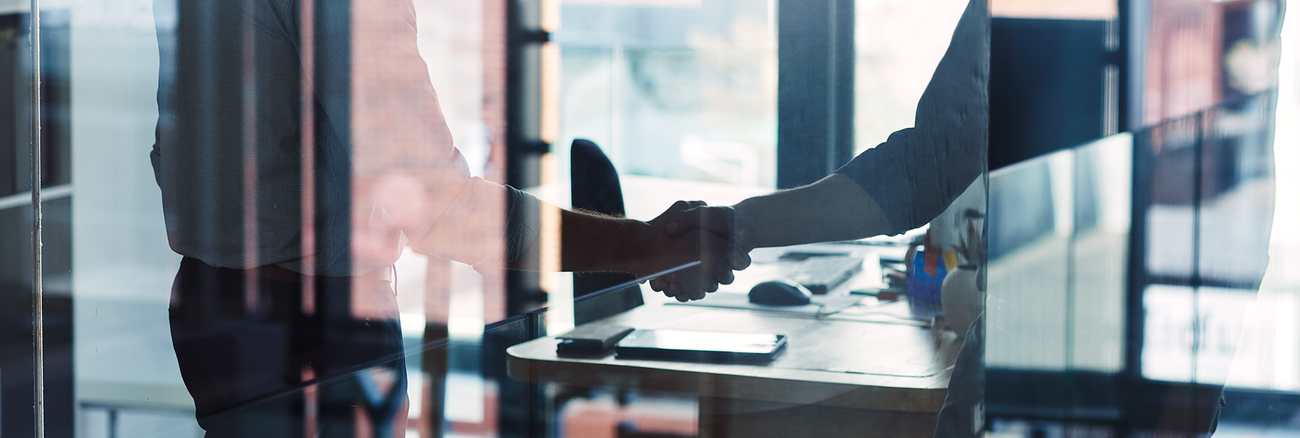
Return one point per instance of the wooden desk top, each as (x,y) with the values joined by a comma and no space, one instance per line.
(854,364)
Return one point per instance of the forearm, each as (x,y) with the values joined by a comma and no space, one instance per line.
(591,242)
(834,208)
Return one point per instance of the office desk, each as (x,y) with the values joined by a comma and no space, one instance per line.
(836,377)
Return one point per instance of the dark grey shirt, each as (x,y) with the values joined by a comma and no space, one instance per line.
(237,139)
(919,171)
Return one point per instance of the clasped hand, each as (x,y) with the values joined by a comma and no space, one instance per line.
(722,248)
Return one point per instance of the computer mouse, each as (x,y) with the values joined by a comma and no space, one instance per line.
(779,293)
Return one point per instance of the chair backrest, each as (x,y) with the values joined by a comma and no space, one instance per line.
(594,187)
(594,181)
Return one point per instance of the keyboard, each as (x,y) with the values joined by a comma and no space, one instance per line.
(821,274)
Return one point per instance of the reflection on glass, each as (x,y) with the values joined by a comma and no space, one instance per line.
(1058,259)
(672,89)
(1207,244)
(1128,279)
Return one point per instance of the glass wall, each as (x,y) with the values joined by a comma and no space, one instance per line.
(307,218)
(672,89)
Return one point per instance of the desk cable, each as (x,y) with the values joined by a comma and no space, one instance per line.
(822,315)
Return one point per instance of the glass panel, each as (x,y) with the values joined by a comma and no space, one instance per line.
(1029,232)
(223,101)
(290,218)
(1208,243)
(682,90)
(1161,315)
(1058,257)
(1102,213)
(275,260)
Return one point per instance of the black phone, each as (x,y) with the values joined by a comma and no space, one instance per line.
(590,339)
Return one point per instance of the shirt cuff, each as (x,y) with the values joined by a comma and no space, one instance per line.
(523,219)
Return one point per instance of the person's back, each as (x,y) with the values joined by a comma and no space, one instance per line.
(232,139)
(255,167)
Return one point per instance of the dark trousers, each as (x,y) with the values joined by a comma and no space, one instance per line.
(245,355)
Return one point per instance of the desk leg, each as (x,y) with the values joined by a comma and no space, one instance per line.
(712,423)
(729,418)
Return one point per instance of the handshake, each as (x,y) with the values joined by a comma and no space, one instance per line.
(720,237)
(691,231)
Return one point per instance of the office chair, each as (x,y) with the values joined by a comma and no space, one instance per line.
(594,187)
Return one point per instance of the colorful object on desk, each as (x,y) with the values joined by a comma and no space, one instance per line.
(950,260)
(923,288)
(931,259)
(963,291)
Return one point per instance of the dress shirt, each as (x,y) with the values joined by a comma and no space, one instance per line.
(235,133)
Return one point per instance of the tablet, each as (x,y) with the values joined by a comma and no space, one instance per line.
(701,346)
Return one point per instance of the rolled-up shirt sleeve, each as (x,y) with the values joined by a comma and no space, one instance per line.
(402,145)
(918,171)
(523,214)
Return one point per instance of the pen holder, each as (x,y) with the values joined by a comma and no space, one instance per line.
(924,290)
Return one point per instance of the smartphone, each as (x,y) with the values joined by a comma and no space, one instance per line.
(590,339)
